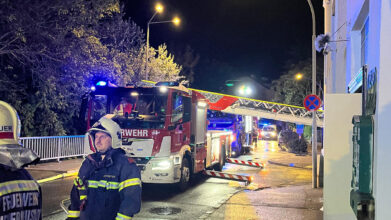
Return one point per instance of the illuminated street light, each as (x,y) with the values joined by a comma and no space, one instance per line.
(158,9)
(299,76)
(245,90)
(176,21)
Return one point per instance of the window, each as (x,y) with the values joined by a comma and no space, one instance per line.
(177,107)
(364,44)
(99,109)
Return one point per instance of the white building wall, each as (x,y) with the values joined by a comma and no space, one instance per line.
(339,48)
(346,61)
(381,53)
(338,152)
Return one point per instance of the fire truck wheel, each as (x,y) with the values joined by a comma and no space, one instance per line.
(185,175)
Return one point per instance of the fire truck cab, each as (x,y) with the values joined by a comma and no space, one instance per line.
(164,129)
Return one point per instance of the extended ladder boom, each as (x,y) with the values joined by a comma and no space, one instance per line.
(259,108)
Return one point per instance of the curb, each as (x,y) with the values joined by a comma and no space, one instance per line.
(60,176)
(288,165)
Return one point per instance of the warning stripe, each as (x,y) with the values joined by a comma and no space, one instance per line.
(228,176)
(4,135)
(246,163)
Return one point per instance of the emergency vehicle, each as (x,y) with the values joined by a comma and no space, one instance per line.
(164,129)
(229,122)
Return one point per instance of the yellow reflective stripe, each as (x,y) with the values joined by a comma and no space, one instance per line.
(93,184)
(122,217)
(18,186)
(77,181)
(79,184)
(83,197)
(73,214)
(129,182)
(103,184)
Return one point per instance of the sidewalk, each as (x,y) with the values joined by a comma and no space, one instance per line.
(49,169)
(291,202)
(285,202)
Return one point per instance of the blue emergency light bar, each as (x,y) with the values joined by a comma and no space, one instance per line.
(101,83)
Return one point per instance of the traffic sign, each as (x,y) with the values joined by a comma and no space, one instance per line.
(312,102)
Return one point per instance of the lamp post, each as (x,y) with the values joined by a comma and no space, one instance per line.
(314,126)
(158,9)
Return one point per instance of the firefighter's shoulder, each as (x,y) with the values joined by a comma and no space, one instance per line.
(124,158)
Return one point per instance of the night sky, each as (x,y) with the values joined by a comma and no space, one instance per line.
(233,38)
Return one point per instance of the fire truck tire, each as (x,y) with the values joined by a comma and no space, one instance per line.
(185,175)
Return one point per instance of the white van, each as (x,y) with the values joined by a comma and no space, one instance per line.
(269,132)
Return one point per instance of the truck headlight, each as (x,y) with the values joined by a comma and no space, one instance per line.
(161,165)
(273,134)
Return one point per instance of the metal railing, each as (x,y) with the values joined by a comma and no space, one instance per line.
(56,147)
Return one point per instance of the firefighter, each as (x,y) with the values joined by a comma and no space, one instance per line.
(16,184)
(108,185)
(124,108)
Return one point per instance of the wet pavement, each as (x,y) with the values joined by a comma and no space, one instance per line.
(282,190)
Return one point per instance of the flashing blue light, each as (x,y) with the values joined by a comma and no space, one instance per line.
(101,83)
(291,164)
(93,88)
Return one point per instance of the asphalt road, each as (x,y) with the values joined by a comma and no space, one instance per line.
(203,196)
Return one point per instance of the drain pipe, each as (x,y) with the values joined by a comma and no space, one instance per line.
(327,75)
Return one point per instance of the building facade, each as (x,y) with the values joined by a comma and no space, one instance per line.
(360,33)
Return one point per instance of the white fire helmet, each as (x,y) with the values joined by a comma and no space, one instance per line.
(9,124)
(108,126)
(12,153)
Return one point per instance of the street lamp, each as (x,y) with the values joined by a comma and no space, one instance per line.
(299,76)
(158,9)
(314,126)
(245,90)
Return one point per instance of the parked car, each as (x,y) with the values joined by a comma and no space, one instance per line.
(269,132)
(290,141)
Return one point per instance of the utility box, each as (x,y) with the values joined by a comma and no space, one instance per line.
(361,199)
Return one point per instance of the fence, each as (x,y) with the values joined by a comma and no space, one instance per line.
(56,147)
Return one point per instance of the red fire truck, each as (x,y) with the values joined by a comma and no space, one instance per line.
(164,129)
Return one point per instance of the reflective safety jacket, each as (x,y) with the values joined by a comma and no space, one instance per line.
(20,195)
(106,189)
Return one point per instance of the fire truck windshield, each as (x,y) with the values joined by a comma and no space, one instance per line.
(135,108)
(145,110)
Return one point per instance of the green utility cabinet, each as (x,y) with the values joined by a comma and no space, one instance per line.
(361,199)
